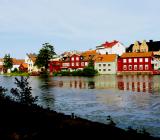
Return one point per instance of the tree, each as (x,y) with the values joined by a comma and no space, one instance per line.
(7,62)
(23,92)
(45,54)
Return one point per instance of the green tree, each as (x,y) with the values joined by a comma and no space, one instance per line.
(23,92)
(45,54)
(7,62)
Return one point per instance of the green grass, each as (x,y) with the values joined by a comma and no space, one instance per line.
(17,74)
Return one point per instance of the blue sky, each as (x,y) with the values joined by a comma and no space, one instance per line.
(74,24)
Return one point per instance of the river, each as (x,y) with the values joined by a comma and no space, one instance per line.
(130,100)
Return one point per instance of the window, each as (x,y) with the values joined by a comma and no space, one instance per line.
(140,59)
(77,58)
(135,60)
(99,69)
(72,64)
(72,59)
(140,67)
(124,67)
(135,67)
(130,67)
(124,60)
(86,63)
(109,69)
(130,60)
(104,69)
(82,63)
(104,65)
(146,67)
(109,65)
(146,59)
(77,64)
(99,65)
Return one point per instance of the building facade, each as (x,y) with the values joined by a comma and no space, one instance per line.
(136,63)
(114,47)
(106,64)
(73,62)
(30,60)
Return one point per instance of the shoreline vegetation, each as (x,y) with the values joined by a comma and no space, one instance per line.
(22,119)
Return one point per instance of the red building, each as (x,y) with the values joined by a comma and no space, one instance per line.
(55,66)
(73,62)
(135,63)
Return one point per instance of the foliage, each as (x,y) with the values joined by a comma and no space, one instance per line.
(45,54)
(8,62)
(89,71)
(23,92)
(2,92)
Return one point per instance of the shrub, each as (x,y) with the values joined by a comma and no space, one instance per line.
(23,92)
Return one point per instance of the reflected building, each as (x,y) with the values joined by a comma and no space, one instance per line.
(136,83)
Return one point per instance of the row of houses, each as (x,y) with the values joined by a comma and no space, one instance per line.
(114,58)
(24,65)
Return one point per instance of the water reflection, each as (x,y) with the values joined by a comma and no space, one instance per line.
(134,83)
(46,96)
(139,83)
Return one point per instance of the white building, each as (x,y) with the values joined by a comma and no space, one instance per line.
(106,64)
(114,47)
(30,60)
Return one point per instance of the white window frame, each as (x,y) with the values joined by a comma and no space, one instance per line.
(130,60)
(135,67)
(72,64)
(77,58)
(135,60)
(124,67)
(140,59)
(72,58)
(146,60)
(146,66)
(130,67)
(124,60)
(77,64)
(140,66)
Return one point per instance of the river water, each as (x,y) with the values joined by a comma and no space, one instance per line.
(130,100)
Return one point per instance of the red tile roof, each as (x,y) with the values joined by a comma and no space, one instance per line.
(109,44)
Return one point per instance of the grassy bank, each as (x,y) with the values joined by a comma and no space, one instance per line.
(17,74)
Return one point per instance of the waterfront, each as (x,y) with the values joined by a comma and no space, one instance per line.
(130,100)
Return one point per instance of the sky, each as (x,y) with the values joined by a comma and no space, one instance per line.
(75,24)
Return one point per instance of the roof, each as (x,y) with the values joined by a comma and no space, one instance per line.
(106,58)
(1,59)
(18,61)
(90,54)
(109,44)
(32,56)
(152,46)
(25,65)
(135,54)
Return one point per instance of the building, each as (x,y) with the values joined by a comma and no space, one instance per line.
(73,62)
(1,65)
(30,60)
(23,67)
(151,46)
(106,64)
(114,47)
(136,63)
(17,63)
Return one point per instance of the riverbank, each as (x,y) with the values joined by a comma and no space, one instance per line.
(20,121)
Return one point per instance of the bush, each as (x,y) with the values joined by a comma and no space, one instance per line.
(23,93)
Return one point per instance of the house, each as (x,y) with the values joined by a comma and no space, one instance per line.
(151,46)
(30,60)
(55,65)
(135,62)
(16,63)
(106,64)
(23,67)
(114,47)
(73,62)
